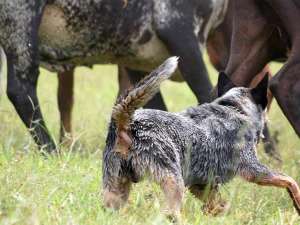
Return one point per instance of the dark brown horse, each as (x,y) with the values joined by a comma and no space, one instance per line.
(257,32)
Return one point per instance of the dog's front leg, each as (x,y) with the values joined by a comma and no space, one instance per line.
(261,175)
(213,203)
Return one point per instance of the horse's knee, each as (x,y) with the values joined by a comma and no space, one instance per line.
(20,94)
(12,93)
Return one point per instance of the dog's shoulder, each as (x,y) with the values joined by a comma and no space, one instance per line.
(209,111)
(217,119)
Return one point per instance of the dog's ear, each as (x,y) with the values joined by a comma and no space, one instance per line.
(224,84)
(259,93)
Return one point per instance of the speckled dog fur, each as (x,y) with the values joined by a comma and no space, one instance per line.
(200,148)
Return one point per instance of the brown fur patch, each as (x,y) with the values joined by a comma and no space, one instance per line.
(123,143)
(278,180)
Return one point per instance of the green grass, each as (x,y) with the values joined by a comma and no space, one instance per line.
(67,189)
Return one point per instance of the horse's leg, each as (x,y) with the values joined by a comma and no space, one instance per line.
(249,51)
(23,70)
(288,13)
(285,87)
(128,78)
(179,37)
(124,80)
(65,101)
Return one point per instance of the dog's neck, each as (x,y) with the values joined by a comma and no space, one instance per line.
(244,106)
(232,105)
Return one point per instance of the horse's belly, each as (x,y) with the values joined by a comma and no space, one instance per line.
(62,48)
(53,30)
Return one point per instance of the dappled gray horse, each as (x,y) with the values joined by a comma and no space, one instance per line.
(137,34)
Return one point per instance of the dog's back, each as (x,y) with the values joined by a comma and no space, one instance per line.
(202,143)
(222,135)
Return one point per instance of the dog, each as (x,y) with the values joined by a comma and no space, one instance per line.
(200,148)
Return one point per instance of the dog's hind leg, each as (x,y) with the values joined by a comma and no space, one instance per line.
(116,192)
(261,175)
(173,188)
(213,203)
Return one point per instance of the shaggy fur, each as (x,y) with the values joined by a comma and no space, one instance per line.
(200,148)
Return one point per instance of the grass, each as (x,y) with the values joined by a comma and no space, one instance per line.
(67,189)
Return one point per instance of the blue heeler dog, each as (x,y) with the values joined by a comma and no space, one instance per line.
(200,148)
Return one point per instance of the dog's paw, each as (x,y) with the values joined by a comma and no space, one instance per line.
(172,216)
(216,209)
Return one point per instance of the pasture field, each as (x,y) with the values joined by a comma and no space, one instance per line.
(67,189)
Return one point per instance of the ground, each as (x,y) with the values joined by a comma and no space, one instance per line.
(67,189)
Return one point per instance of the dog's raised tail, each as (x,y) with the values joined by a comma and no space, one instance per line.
(138,97)
(143,91)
